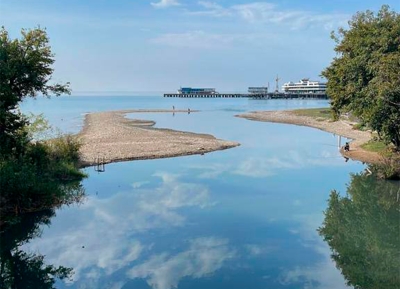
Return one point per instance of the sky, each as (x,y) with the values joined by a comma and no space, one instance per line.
(156,46)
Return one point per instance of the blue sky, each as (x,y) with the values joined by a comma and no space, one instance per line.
(159,45)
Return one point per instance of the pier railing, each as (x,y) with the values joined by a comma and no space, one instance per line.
(272,95)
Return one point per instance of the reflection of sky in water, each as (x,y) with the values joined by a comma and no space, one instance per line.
(239,218)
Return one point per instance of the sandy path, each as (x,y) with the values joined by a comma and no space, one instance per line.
(343,128)
(111,136)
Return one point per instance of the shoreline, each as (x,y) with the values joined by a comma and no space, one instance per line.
(341,127)
(113,137)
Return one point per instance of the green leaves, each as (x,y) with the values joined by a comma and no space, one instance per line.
(25,71)
(362,230)
(33,171)
(364,78)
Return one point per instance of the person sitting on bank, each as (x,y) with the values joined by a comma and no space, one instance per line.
(346,147)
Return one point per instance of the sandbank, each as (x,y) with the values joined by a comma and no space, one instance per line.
(341,127)
(112,137)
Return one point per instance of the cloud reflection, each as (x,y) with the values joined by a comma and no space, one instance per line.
(323,274)
(102,236)
(259,167)
(203,257)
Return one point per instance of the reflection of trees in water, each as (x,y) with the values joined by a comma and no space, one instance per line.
(22,270)
(363,231)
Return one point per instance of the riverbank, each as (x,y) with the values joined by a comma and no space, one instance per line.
(341,127)
(114,138)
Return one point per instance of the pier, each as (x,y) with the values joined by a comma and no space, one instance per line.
(271,95)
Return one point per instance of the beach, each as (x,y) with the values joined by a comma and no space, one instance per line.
(111,137)
(342,127)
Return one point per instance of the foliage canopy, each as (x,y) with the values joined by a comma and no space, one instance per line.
(33,174)
(362,230)
(29,270)
(25,71)
(364,77)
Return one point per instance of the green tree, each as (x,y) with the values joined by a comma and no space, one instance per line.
(33,174)
(25,71)
(19,269)
(364,77)
(363,232)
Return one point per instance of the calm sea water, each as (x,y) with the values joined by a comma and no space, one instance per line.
(246,217)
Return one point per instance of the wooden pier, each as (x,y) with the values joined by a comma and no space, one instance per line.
(211,95)
(271,95)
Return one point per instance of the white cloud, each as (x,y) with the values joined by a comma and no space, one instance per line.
(197,39)
(269,166)
(269,13)
(323,274)
(108,240)
(211,171)
(254,11)
(256,250)
(262,167)
(165,3)
(203,257)
(137,185)
(212,9)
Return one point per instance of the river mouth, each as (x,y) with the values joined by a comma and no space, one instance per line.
(246,216)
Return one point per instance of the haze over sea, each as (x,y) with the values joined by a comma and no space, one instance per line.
(240,218)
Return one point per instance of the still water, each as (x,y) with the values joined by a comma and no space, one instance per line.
(246,217)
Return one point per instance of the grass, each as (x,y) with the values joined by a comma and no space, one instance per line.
(375,146)
(319,113)
(389,169)
(325,113)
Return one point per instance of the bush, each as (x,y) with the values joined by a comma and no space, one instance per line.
(38,178)
(389,169)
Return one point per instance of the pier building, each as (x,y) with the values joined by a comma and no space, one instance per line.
(258,90)
(190,90)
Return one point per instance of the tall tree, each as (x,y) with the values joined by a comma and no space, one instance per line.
(25,71)
(363,232)
(364,77)
(19,269)
(32,174)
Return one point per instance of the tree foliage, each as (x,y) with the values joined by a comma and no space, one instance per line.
(25,71)
(19,269)
(363,232)
(364,77)
(33,173)
(36,176)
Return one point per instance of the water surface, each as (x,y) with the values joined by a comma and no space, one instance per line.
(246,217)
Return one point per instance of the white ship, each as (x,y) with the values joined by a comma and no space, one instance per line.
(304,86)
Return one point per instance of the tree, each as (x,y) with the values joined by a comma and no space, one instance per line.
(25,71)
(33,174)
(363,232)
(364,77)
(19,269)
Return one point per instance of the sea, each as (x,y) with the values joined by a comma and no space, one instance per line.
(245,217)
